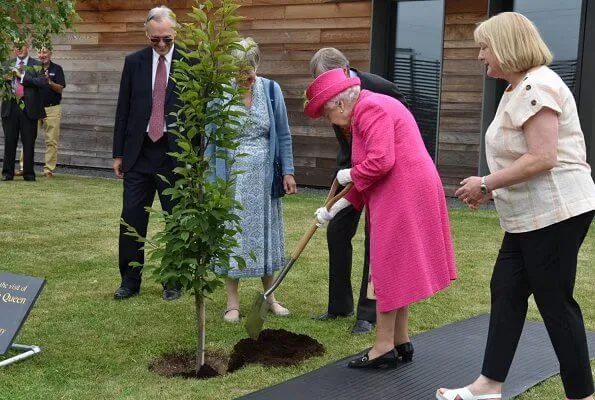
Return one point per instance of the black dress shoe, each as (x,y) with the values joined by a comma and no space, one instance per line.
(124,292)
(387,360)
(7,178)
(327,316)
(171,294)
(362,327)
(405,351)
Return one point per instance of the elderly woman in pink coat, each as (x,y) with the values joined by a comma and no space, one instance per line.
(395,178)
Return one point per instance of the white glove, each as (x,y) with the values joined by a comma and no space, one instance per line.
(324,216)
(344,176)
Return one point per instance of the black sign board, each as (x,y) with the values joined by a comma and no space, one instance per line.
(17,295)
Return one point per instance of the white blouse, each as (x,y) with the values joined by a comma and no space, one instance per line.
(567,190)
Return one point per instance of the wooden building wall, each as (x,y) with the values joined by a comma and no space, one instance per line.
(289,33)
(461,93)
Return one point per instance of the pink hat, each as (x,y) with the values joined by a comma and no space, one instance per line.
(324,88)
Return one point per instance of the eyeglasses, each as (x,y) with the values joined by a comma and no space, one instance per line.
(166,40)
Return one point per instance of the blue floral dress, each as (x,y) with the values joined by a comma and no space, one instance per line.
(262,216)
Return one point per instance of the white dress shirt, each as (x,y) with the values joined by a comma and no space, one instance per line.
(168,58)
(16,65)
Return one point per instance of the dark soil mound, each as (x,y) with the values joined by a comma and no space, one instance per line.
(274,348)
(183,364)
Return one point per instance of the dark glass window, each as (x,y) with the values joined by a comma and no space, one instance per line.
(417,62)
(559,23)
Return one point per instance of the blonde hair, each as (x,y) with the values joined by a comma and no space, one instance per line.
(250,52)
(515,42)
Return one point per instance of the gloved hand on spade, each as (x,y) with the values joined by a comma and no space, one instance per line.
(324,216)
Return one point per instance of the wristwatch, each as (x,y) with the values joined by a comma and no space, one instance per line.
(484,187)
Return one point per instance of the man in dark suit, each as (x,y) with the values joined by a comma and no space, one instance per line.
(25,82)
(343,227)
(141,141)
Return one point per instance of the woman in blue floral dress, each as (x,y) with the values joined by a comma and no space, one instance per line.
(265,133)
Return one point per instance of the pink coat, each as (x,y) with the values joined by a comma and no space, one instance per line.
(411,253)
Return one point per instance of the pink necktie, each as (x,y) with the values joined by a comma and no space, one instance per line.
(19,90)
(158,108)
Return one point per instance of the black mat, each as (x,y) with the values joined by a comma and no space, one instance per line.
(449,356)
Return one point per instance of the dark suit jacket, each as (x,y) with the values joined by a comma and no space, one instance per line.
(134,106)
(32,81)
(375,84)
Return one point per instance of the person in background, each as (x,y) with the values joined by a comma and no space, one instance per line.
(51,95)
(343,227)
(26,82)
(544,195)
(265,133)
(411,253)
(141,141)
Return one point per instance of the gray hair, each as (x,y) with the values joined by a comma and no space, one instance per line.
(326,59)
(160,13)
(251,52)
(347,96)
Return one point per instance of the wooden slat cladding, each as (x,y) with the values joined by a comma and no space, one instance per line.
(332,10)
(289,33)
(454,7)
(314,23)
(461,93)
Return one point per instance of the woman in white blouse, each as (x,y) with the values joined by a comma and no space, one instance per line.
(545,196)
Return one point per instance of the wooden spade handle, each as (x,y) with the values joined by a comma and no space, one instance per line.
(332,191)
(330,201)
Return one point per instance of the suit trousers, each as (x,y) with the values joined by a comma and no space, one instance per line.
(341,230)
(140,185)
(543,263)
(18,124)
(50,126)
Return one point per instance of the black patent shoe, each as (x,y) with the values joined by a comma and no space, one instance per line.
(405,351)
(387,360)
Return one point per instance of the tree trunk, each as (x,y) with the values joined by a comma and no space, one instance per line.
(199,301)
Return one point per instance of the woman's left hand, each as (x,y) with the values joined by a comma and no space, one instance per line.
(470,192)
(289,184)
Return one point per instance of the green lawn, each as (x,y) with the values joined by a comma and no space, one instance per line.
(65,229)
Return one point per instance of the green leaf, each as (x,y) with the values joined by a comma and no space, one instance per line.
(252,255)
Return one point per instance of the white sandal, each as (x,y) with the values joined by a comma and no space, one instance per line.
(227,317)
(281,312)
(464,394)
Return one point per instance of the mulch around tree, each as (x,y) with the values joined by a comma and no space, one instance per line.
(184,365)
(273,348)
